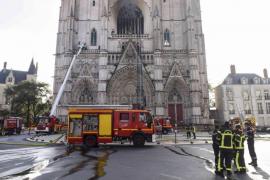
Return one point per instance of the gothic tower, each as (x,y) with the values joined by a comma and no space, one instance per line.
(165,36)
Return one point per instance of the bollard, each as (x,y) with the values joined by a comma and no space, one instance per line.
(175,131)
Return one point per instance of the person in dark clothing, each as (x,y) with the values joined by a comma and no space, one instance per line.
(250,141)
(239,139)
(216,139)
(226,150)
(188,132)
(193,129)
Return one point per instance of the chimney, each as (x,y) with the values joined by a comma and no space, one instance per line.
(233,71)
(5,67)
(265,73)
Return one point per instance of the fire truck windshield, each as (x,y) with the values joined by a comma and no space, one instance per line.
(43,121)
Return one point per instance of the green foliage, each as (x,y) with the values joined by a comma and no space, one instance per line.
(4,113)
(28,99)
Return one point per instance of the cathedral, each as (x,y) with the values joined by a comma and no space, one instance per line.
(137,51)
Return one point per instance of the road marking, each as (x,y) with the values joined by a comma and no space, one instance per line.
(170,176)
(203,149)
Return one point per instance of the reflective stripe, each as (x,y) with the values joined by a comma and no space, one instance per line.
(240,143)
(237,161)
(225,147)
(219,163)
(229,134)
(238,148)
(229,169)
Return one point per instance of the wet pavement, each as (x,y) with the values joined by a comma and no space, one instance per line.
(152,162)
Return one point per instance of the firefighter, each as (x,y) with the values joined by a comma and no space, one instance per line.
(250,141)
(216,139)
(239,139)
(226,150)
(193,131)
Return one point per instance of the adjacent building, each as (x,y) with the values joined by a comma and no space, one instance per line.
(164,35)
(10,77)
(244,94)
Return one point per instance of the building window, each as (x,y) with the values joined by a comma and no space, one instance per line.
(231,109)
(244,81)
(94,37)
(245,96)
(10,79)
(167,39)
(228,81)
(130,20)
(268,108)
(258,95)
(266,95)
(247,108)
(229,94)
(260,108)
(256,81)
(94,3)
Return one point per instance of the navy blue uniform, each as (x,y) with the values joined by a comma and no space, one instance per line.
(250,142)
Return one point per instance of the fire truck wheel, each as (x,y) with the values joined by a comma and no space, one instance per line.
(69,148)
(90,141)
(138,140)
(165,131)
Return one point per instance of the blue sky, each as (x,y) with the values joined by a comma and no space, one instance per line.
(236,32)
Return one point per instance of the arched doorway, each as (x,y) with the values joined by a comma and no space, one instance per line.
(83,92)
(130,19)
(176,94)
(121,88)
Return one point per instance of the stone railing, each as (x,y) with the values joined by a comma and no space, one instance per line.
(91,51)
(114,58)
(129,36)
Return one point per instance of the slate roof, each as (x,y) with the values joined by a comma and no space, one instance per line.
(18,75)
(236,78)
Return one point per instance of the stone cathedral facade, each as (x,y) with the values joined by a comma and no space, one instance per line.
(165,35)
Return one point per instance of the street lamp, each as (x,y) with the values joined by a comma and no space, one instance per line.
(175,115)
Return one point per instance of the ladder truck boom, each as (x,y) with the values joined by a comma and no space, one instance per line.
(62,88)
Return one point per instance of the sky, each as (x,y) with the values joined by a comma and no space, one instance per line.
(236,32)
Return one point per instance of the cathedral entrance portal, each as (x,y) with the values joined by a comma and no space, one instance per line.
(175,112)
(175,106)
(177,100)
(122,87)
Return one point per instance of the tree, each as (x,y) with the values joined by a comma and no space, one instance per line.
(26,98)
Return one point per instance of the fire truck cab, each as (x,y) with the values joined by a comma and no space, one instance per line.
(90,126)
(45,124)
(164,124)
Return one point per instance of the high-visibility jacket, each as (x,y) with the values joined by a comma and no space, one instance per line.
(194,129)
(226,139)
(239,140)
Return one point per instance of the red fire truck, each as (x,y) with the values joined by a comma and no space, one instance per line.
(45,124)
(11,125)
(164,123)
(92,125)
